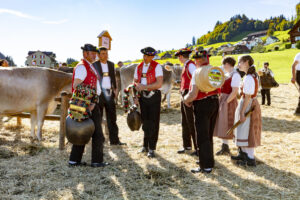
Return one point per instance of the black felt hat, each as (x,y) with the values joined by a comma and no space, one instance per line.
(89,47)
(183,51)
(149,51)
(201,54)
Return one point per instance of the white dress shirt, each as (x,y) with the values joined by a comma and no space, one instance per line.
(106,83)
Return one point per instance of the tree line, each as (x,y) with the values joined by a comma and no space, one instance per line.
(238,24)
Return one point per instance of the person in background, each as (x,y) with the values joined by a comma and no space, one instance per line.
(296,78)
(265,91)
(4,63)
(120,64)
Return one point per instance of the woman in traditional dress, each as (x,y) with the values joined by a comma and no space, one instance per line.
(248,133)
(228,104)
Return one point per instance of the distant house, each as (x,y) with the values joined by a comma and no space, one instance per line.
(166,56)
(238,49)
(41,59)
(271,40)
(295,34)
(251,36)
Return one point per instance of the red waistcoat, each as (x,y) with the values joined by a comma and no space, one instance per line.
(255,91)
(203,95)
(91,77)
(186,76)
(150,75)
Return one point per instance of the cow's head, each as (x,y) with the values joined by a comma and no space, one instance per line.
(177,69)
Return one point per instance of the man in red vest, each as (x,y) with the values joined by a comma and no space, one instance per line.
(206,106)
(148,78)
(85,73)
(187,114)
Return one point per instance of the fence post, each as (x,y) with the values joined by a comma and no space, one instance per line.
(64,112)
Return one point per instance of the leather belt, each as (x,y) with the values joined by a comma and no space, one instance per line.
(149,94)
(107,92)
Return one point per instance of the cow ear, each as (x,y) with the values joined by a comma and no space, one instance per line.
(168,68)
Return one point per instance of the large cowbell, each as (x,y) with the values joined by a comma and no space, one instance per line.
(79,133)
(134,120)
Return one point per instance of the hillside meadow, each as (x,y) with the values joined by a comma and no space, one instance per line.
(280,62)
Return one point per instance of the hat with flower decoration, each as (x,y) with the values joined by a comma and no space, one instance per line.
(149,51)
(183,51)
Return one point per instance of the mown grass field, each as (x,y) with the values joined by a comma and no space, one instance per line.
(40,170)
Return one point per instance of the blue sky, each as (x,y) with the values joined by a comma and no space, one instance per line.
(63,26)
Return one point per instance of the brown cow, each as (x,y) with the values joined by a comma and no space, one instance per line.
(32,89)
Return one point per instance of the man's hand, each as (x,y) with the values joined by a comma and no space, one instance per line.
(293,80)
(136,100)
(139,87)
(92,106)
(188,104)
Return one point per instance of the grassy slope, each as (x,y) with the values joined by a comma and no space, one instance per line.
(280,62)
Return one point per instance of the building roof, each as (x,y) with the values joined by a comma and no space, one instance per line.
(48,53)
(295,26)
(228,49)
(104,32)
(257,33)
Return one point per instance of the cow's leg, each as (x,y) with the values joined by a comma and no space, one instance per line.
(169,99)
(33,118)
(41,112)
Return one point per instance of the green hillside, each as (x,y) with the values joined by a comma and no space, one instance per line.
(280,62)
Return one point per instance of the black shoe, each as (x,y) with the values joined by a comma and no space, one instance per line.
(197,162)
(144,150)
(103,164)
(182,151)
(151,154)
(224,150)
(195,153)
(241,156)
(247,161)
(118,143)
(199,170)
(77,164)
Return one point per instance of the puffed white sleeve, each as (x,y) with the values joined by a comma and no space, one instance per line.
(80,72)
(297,57)
(158,71)
(193,81)
(249,85)
(135,73)
(192,68)
(236,80)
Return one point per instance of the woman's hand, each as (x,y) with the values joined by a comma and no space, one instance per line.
(242,117)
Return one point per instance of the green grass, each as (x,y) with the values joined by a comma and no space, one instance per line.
(280,62)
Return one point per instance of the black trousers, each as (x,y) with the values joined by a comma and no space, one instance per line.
(206,111)
(97,141)
(108,103)
(150,113)
(264,93)
(188,125)
(298,82)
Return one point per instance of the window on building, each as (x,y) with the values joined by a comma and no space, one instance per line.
(298,29)
(297,38)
